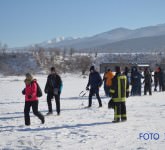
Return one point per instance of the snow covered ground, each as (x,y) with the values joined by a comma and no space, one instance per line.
(76,127)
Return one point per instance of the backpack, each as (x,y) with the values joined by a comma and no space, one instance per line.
(39,91)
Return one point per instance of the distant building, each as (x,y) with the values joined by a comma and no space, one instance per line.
(105,66)
(142,67)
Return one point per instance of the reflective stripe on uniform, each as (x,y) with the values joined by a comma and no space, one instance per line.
(119,87)
(123,115)
(116,116)
(119,99)
(112,91)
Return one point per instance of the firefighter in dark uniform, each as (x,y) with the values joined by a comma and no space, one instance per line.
(119,91)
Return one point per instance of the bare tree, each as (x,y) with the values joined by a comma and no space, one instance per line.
(41,56)
(163,61)
(96,54)
(72,50)
(83,63)
(4,49)
(64,53)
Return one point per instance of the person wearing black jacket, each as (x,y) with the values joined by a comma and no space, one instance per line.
(53,88)
(161,79)
(147,82)
(136,77)
(119,91)
(156,79)
(95,83)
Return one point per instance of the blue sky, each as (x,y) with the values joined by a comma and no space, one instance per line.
(25,22)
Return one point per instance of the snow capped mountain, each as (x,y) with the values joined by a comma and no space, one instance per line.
(126,39)
(106,38)
(56,40)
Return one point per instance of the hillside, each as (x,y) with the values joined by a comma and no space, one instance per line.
(144,44)
(119,39)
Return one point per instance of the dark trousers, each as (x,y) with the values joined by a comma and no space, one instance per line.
(147,87)
(136,90)
(108,91)
(161,86)
(120,111)
(156,84)
(91,93)
(34,105)
(49,102)
(105,89)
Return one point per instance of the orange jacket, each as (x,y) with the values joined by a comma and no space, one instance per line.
(108,76)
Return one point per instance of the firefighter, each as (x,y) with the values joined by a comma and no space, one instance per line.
(119,91)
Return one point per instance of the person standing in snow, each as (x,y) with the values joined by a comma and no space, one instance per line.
(119,91)
(147,82)
(94,82)
(104,81)
(126,73)
(161,79)
(156,79)
(108,76)
(53,88)
(31,99)
(136,77)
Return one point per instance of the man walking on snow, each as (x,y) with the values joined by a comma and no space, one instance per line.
(95,83)
(53,88)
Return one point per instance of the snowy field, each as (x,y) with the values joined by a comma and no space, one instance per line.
(78,128)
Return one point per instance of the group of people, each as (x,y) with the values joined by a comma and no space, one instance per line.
(53,88)
(136,77)
(116,86)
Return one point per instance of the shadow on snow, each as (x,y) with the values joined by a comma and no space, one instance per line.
(67,126)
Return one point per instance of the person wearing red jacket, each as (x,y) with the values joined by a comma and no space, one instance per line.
(31,99)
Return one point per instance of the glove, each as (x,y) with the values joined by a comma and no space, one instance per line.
(127,94)
(29,96)
(55,92)
(46,91)
(87,88)
(111,104)
(23,91)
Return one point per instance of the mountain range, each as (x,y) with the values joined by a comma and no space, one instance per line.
(145,39)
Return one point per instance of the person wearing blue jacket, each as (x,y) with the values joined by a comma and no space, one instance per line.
(94,82)
(136,77)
